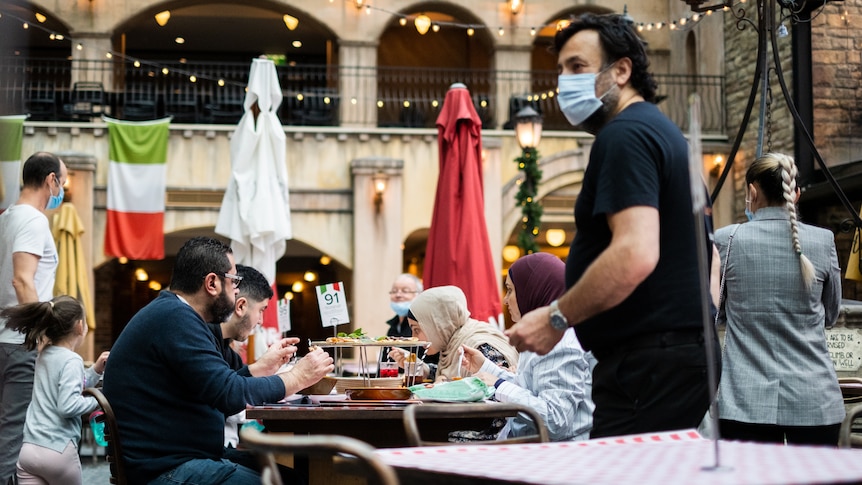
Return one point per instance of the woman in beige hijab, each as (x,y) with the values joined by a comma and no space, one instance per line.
(440,316)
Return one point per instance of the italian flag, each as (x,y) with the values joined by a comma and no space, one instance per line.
(11,139)
(137,152)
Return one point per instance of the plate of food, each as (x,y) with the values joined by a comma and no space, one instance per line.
(378,393)
(343,383)
(359,338)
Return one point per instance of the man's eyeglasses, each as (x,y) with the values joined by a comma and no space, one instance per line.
(235,279)
(402,291)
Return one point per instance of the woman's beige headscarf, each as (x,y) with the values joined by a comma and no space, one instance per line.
(442,314)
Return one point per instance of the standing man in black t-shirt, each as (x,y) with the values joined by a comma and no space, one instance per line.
(632,272)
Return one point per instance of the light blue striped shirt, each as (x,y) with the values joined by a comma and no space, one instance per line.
(557,385)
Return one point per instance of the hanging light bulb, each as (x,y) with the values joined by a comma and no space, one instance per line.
(163,17)
(402,21)
(435,28)
(41,17)
(359,4)
(422,23)
(515,6)
(137,63)
(532,31)
(501,32)
(470,31)
(290,21)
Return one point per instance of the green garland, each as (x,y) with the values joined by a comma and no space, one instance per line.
(526,198)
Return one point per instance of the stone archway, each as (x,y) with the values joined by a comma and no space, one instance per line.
(560,170)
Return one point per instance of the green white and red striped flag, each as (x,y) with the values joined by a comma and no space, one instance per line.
(137,152)
(11,139)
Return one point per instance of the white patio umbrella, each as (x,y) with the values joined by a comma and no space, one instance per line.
(255,211)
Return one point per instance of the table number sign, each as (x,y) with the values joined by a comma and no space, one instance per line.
(283,315)
(333,304)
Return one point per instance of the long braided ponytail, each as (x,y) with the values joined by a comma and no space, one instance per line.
(776,174)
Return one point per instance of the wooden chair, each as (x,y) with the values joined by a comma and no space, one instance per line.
(41,101)
(88,100)
(267,445)
(140,101)
(112,436)
(181,103)
(414,414)
(847,438)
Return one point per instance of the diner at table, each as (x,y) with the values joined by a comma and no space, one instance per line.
(170,387)
(440,316)
(558,384)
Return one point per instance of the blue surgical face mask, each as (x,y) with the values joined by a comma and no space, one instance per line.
(55,200)
(400,307)
(577,95)
(748,213)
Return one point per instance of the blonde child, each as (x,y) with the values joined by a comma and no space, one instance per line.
(52,428)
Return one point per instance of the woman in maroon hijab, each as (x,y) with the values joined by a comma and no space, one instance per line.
(557,385)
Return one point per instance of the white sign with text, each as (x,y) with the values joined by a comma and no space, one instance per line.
(845,348)
(333,304)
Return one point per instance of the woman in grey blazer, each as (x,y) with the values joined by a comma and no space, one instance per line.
(780,289)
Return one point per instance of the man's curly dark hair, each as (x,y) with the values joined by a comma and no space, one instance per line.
(618,39)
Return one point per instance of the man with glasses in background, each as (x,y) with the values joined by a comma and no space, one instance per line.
(171,388)
(404,290)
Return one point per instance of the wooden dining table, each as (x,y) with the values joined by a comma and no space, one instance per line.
(671,458)
(378,424)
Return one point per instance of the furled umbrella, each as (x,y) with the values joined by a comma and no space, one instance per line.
(459,251)
(255,212)
(72,278)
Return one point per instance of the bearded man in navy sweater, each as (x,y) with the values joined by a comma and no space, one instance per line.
(170,387)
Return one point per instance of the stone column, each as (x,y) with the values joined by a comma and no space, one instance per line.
(377,240)
(512,78)
(90,63)
(81,181)
(358,84)
(493,191)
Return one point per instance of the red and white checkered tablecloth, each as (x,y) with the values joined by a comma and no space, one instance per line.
(665,458)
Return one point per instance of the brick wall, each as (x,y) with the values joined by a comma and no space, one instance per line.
(741,59)
(837,101)
(837,81)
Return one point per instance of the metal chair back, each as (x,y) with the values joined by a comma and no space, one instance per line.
(267,445)
(112,436)
(414,414)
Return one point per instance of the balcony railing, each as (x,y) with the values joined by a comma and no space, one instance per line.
(385,96)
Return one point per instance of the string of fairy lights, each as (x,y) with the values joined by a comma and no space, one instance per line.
(420,21)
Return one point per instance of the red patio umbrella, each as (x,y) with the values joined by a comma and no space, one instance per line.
(458,251)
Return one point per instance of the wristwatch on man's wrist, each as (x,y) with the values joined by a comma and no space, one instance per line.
(558,320)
